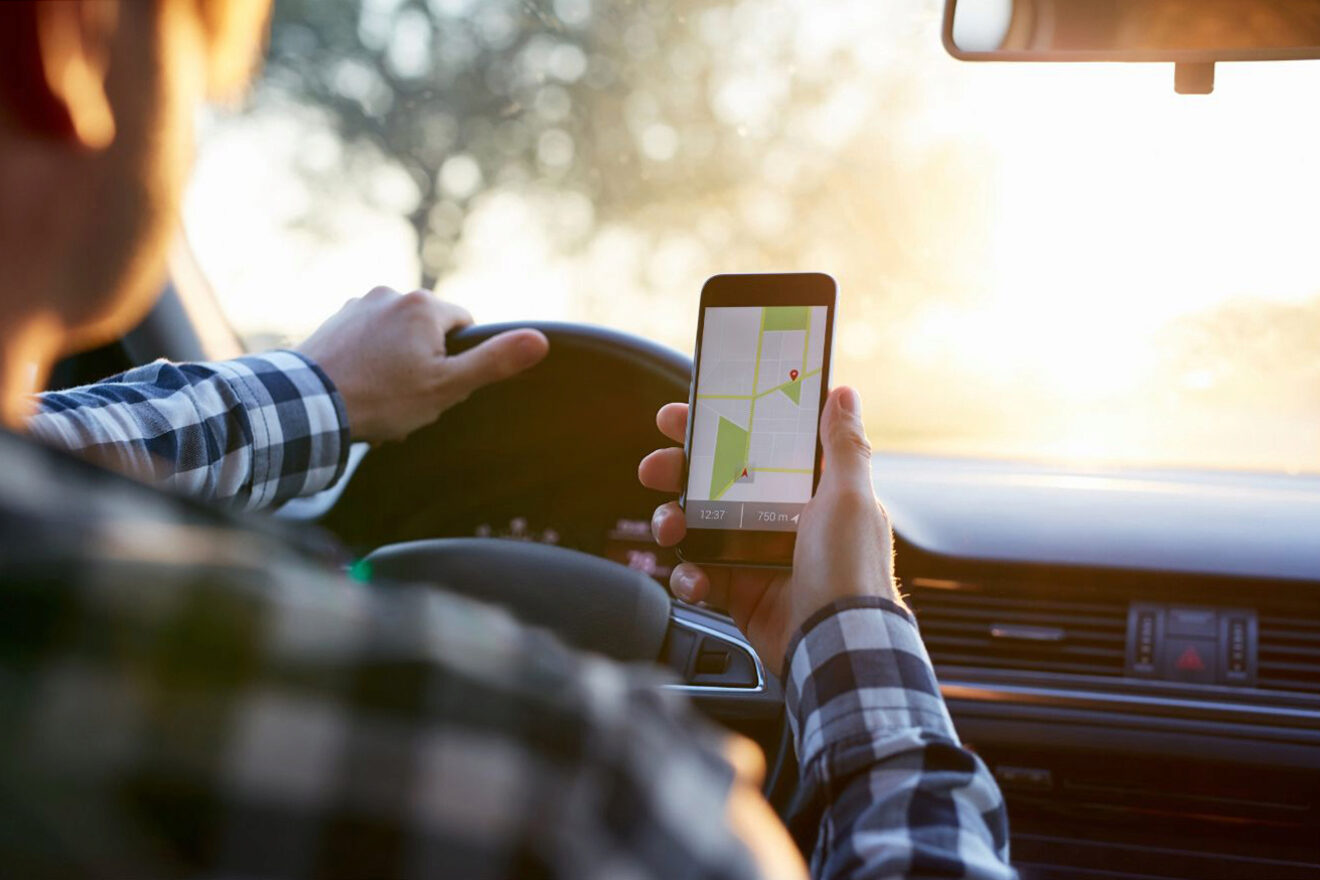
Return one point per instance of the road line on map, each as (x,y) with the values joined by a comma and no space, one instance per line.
(766,393)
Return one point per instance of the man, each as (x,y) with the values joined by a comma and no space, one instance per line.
(186,693)
(256,431)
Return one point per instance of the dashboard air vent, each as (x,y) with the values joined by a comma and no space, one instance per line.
(1289,646)
(963,626)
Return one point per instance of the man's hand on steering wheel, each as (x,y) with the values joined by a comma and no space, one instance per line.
(844,542)
(385,352)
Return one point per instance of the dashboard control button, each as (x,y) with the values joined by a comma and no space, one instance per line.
(1197,622)
(1145,650)
(1145,636)
(1237,648)
(1194,644)
(1191,660)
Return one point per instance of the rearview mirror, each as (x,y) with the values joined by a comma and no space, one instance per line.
(1191,33)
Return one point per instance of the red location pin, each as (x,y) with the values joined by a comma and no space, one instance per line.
(792,375)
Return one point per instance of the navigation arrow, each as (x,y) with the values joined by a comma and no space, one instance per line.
(744,473)
(795,516)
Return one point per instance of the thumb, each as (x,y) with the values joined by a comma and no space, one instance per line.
(847,451)
(497,358)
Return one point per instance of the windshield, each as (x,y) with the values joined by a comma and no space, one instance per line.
(1034,261)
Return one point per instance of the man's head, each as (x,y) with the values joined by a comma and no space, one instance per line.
(96,112)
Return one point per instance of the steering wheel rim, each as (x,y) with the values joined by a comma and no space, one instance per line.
(664,363)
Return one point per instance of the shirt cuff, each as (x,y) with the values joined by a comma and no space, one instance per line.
(857,670)
(299,425)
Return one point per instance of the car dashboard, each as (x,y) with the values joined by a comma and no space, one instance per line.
(1134,654)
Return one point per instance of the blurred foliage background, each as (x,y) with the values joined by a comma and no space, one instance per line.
(1045,262)
(680,114)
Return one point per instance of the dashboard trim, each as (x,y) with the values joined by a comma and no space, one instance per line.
(1144,705)
(686,618)
(1216,523)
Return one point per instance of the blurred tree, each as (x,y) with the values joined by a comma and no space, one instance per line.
(665,113)
(466,96)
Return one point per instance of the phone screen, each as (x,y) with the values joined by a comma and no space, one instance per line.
(756,411)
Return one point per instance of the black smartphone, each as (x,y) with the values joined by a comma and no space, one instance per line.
(760,376)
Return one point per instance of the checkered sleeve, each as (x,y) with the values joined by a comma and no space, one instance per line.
(886,785)
(249,433)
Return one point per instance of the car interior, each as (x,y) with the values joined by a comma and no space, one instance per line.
(1133,651)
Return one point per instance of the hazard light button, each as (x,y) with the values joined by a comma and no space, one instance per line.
(1190,660)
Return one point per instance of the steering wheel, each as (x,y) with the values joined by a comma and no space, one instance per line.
(562,442)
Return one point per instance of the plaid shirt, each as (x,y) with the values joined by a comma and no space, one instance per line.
(186,692)
(247,433)
(892,792)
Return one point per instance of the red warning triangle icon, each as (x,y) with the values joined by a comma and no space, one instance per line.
(1190,660)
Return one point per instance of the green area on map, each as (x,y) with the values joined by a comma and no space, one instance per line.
(730,457)
(793,390)
(787,318)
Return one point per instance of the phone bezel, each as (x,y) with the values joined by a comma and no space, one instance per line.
(739,546)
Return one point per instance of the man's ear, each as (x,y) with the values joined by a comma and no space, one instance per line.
(54,58)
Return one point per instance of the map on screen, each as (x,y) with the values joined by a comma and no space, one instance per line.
(753,448)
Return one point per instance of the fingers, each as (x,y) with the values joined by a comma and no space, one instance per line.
(747,759)
(672,421)
(668,524)
(692,583)
(662,470)
(446,315)
(449,316)
(749,816)
(843,437)
(497,358)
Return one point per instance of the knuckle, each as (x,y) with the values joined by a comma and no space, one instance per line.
(416,300)
(862,444)
(851,438)
(380,292)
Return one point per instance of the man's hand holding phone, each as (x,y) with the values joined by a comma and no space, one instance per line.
(844,542)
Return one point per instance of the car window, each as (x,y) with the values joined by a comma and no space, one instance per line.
(1046,262)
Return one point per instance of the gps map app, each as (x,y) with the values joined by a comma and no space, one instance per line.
(753,454)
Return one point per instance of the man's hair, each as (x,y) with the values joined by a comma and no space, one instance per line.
(20,60)
(229,28)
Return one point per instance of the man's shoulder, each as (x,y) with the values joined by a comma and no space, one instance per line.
(72,534)
(57,509)
(53,505)
(327,702)
(75,528)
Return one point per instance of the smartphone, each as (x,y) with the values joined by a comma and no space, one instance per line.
(760,376)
